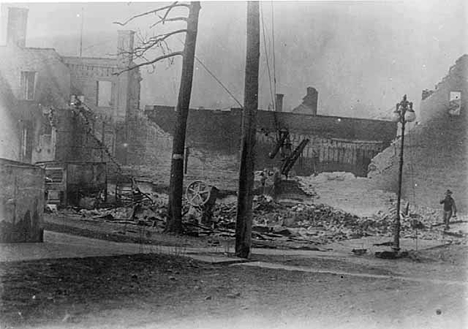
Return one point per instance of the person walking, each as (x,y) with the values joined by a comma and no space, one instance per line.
(449,208)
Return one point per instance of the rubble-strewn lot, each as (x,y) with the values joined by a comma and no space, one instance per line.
(288,223)
(320,219)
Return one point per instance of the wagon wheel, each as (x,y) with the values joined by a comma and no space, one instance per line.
(198,193)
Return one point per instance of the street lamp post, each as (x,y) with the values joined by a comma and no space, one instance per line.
(403,113)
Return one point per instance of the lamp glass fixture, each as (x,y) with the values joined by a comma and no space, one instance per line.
(396,116)
(410,116)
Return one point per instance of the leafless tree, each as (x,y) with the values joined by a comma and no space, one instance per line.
(147,43)
(141,52)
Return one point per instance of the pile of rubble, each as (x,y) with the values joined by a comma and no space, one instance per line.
(321,224)
(288,224)
(151,212)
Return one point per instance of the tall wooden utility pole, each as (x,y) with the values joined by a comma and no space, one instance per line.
(246,172)
(174,223)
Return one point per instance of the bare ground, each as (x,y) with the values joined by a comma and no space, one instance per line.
(160,291)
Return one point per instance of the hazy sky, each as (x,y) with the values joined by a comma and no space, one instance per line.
(361,56)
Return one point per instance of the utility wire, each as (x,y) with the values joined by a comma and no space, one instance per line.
(272,92)
(267,61)
(219,81)
(274,68)
(214,77)
(273,43)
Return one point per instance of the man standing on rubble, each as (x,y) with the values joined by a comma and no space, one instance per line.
(449,208)
(137,200)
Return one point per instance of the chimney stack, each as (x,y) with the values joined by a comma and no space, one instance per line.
(279,102)
(311,100)
(125,40)
(16,28)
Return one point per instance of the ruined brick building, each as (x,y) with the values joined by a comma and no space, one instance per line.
(38,123)
(435,150)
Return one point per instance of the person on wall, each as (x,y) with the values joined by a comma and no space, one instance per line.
(449,208)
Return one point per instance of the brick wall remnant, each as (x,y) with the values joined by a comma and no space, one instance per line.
(337,144)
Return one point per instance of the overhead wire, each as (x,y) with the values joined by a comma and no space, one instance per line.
(219,81)
(267,61)
(272,88)
(214,77)
(273,44)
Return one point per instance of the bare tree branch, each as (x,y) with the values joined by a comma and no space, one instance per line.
(160,58)
(154,41)
(162,37)
(164,20)
(169,10)
(170,7)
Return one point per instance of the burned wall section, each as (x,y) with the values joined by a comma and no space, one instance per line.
(150,152)
(336,144)
(34,81)
(435,149)
(112,95)
(216,130)
(84,137)
(104,90)
(9,132)
(21,202)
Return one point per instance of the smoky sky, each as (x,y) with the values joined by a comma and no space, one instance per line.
(362,57)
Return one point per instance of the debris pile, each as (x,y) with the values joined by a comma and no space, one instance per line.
(321,224)
(150,212)
(302,222)
(289,224)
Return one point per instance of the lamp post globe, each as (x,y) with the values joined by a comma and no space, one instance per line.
(396,116)
(410,116)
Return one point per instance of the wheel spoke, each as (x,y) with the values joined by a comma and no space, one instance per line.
(198,193)
(199,199)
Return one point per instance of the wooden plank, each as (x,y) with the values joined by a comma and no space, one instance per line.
(321,152)
(348,154)
(354,154)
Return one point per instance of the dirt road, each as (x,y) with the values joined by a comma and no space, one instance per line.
(161,291)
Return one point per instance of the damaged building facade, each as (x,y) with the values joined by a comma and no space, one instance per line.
(39,126)
(37,85)
(435,149)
